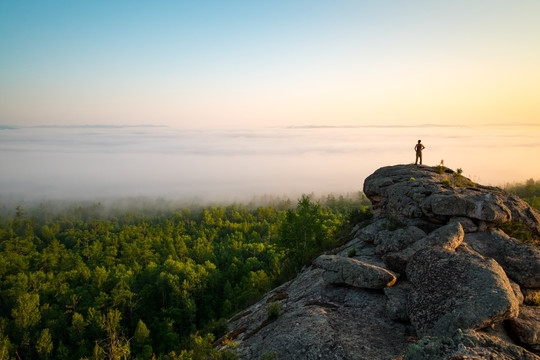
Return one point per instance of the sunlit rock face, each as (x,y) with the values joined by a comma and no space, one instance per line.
(457,290)
(436,195)
(343,270)
(431,277)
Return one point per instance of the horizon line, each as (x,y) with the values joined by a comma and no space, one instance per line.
(308,126)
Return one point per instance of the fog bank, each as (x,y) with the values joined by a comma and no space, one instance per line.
(100,162)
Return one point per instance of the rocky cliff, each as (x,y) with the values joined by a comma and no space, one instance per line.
(431,277)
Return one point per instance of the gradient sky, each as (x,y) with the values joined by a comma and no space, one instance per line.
(212,64)
(218,99)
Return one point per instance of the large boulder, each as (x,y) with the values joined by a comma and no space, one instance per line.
(397,240)
(344,270)
(520,261)
(457,291)
(413,192)
(448,237)
(484,206)
(370,232)
(399,190)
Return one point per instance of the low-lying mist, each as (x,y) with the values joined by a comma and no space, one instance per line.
(103,208)
(196,166)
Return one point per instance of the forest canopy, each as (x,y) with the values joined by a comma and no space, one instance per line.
(85,282)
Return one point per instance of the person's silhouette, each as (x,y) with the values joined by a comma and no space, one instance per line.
(418,148)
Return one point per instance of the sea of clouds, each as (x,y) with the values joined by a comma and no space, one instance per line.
(88,162)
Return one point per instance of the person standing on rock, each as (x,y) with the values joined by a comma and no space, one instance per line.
(418,148)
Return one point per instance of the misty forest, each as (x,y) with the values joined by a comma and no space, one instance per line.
(89,282)
(84,282)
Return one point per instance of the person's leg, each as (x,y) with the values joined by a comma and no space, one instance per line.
(420,155)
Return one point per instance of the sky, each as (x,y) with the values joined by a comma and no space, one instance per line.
(91,84)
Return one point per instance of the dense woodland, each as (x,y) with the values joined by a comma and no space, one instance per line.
(86,282)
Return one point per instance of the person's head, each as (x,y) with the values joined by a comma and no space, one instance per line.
(419,141)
